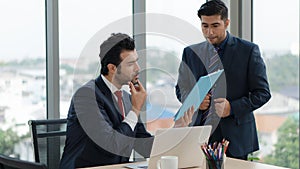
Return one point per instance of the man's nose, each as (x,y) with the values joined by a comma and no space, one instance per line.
(210,31)
(137,67)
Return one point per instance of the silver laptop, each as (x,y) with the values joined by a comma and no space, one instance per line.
(182,142)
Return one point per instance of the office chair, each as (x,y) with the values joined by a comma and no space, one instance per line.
(47,138)
(13,163)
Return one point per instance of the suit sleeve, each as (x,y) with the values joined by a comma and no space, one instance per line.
(143,141)
(258,86)
(93,117)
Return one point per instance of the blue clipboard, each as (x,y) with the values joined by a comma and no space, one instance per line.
(198,93)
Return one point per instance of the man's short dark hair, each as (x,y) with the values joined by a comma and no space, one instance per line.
(214,7)
(111,49)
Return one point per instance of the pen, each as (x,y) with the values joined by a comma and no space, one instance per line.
(220,153)
(226,146)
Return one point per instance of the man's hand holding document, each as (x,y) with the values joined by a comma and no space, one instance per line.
(199,91)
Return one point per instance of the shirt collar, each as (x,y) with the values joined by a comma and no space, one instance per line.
(222,45)
(111,86)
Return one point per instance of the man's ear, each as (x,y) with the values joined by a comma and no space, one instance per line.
(227,22)
(111,68)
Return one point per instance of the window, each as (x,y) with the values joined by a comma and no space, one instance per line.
(22,73)
(165,42)
(276,31)
(83,26)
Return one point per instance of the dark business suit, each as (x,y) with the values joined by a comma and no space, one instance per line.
(96,134)
(244,84)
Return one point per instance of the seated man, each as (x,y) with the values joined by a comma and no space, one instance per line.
(103,121)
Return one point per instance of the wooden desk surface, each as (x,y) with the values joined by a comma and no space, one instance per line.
(229,164)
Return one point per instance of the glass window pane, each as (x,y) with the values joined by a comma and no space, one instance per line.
(22,73)
(171,26)
(83,26)
(276,31)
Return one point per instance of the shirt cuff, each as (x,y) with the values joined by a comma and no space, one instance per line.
(131,119)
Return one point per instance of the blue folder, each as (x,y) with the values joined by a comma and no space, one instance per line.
(198,93)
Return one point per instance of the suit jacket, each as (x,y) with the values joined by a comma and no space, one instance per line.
(96,134)
(244,84)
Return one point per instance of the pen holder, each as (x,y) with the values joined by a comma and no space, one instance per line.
(214,164)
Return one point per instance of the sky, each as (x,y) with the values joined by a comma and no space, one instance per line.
(276,24)
(22,31)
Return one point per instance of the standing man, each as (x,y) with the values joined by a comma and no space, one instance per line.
(242,88)
(103,120)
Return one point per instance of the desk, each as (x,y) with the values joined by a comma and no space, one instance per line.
(231,163)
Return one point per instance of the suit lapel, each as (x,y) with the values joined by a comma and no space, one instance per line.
(229,53)
(106,91)
(203,51)
(103,88)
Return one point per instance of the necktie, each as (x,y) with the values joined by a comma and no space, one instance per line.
(213,65)
(118,93)
(214,61)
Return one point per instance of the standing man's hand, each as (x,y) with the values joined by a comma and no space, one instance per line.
(138,97)
(185,120)
(205,103)
(222,107)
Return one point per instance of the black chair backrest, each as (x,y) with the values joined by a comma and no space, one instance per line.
(13,163)
(48,136)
